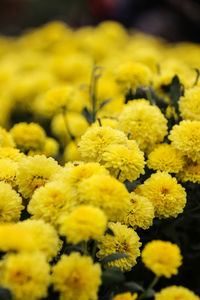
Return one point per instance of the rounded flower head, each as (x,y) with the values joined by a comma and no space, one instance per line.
(106,193)
(125,240)
(10,204)
(83,223)
(50,201)
(166,158)
(167,196)
(140,212)
(175,293)
(76,277)
(71,152)
(6,139)
(125,296)
(145,122)
(186,138)
(11,153)
(162,258)
(8,169)
(34,172)
(26,275)
(94,142)
(28,136)
(189,104)
(128,160)
(190,172)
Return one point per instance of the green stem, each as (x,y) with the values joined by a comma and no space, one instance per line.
(154,282)
(94,249)
(118,174)
(99,120)
(84,248)
(93,90)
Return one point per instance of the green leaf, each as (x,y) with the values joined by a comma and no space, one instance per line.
(150,293)
(109,231)
(104,103)
(175,91)
(133,286)
(113,257)
(5,294)
(112,276)
(88,115)
(197,77)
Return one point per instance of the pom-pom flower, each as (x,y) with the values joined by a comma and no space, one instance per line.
(162,258)
(125,240)
(176,292)
(189,104)
(11,153)
(72,280)
(125,296)
(190,172)
(8,169)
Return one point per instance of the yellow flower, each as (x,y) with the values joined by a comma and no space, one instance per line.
(50,148)
(26,275)
(125,296)
(140,212)
(166,158)
(76,277)
(125,240)
(8,169)
(167,196)
(83,223)
(71,152)
(162,258)
(176,292)
(10,204)
(128,160)
(34,172)
(11,153)
(106,193)
(28,136)
(145,122)
(94,142)
(190,172)
(6,139)
(189,104)
(185,137)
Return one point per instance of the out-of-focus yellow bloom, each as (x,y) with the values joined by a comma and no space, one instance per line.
(176,292)
(125,296)
(6,139)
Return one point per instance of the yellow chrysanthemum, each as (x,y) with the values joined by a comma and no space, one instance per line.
(190,172)
(167,196)
(71,152)
(83,223)
(128,160)
(34,172)
(140,212)
(125,240)
(28,136)
(94,142)
(175,293)
(26,275)
(189,104)
(10,204)
(11,153)
(76,277)
(162,258)
(50,148)
(6,139)
(166,158)
(185,137)
(145,122)
(125,296)
(106,193)
(8,169)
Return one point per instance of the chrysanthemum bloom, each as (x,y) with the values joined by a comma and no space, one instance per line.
(84,223)
(162,258)
(189,104)
(50,201)
(128,160)
(50,148)
(140,212)
(125,296)
(10,204)
(176,292)
(8,169)
(76,277)
(94,142)
(145,122)
(11,153)
(26,275)
(166,158)
(130,75)
(186,138)
(6,139)
(190,172)
(125,240)
(106,193)
(44,235)
(34,172)
(167,196)
(28,136)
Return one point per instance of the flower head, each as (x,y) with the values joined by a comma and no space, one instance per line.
(190,172)
(176,292)
(13,154)
(125,296)
(6,139)
(8,169)
(189,104)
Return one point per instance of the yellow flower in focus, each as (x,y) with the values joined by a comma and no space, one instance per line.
(11,153)
(106,193)
(190,172)
(26,275)
(76,277)
(125,240)
(8,169)
(125,296)
(166,158)
(6,139)
(175,293)
(185,137)
(146,124)
(83,223)
(28,136)
(10,204)
(162,258)
(34,172)
(189,104)
(128,160)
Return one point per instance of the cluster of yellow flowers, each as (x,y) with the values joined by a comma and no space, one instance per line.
(73,136)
